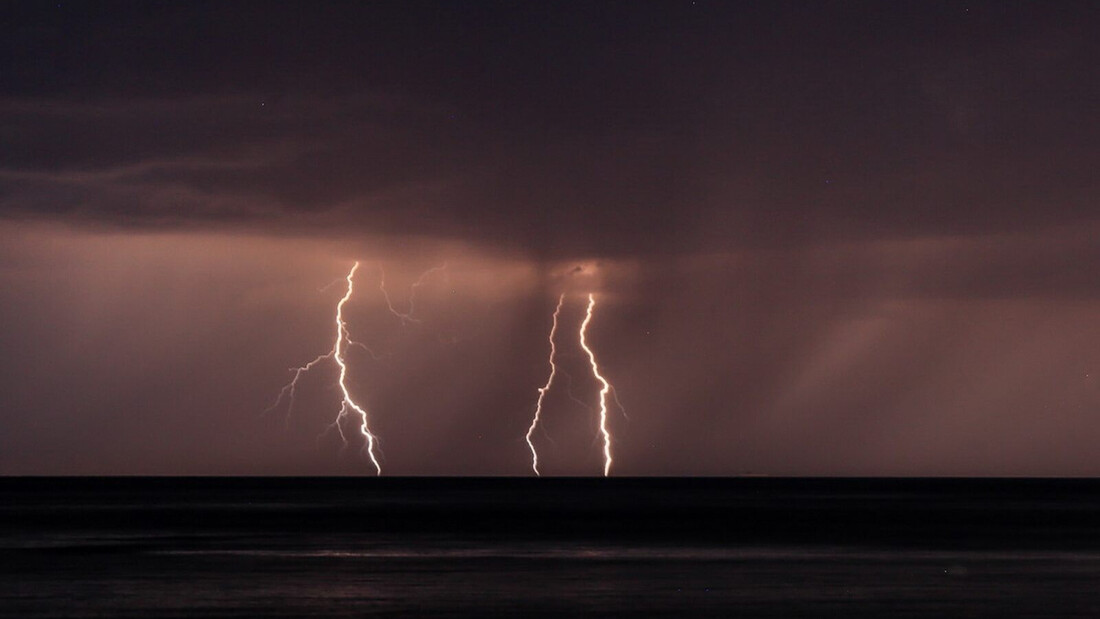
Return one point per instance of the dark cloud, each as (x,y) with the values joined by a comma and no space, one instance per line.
(826,238)
(614,130)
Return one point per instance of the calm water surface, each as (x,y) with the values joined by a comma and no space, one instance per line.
(465,547)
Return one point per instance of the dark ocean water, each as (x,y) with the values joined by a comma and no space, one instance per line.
(753,547)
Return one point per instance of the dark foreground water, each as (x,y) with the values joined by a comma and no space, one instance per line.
(229,547)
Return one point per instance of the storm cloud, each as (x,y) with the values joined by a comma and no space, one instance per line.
(827,238)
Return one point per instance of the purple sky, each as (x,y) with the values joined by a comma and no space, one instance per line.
(826,238)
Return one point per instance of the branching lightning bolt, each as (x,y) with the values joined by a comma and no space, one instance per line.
(544,388)
(572,396)
(343,340)
(603,391)
(406,317)
(614,396)
(348,403)
(289,389)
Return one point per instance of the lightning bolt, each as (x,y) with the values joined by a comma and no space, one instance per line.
(603,381)
(347,405)
(572,396)
(614,396)
(544,388)
(289,389)
(406,317)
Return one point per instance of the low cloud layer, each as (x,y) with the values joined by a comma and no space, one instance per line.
(606,131)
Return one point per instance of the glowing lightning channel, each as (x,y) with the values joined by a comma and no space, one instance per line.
(544,388)
(603,392)
(343,340)
(342,336)
(288,391)
(406,317)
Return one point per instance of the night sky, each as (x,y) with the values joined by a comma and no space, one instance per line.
(825,238)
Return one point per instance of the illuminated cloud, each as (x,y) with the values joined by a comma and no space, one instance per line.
(823,239)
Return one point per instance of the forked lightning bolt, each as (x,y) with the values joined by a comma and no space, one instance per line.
(289,389)
(603,381)
(343,340)
(342,336)
(544,388)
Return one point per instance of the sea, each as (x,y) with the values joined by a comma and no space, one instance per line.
(548,547)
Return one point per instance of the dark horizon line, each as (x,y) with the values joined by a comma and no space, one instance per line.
(550,478)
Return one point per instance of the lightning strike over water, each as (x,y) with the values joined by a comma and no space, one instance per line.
(342,336)
(603,391)
(544,388)
(347,405)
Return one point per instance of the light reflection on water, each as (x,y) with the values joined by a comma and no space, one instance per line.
(147,576)
(796,548)
(587,553)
